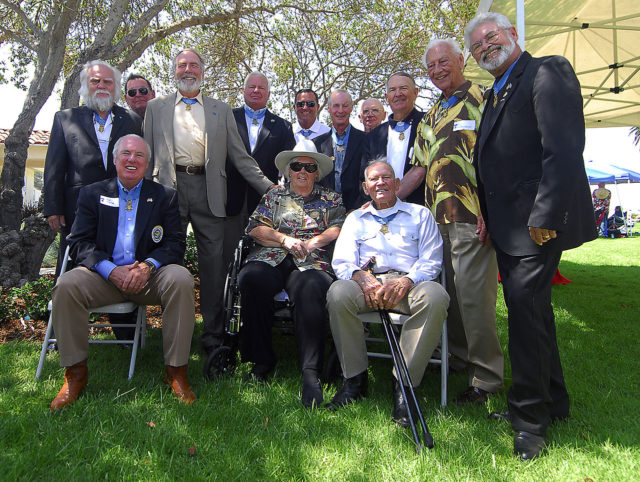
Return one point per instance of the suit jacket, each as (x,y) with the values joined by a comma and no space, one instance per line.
(222,141)
(352,196)
(94,231)
(376,147)
(274,137)
(528,158)
(74,158)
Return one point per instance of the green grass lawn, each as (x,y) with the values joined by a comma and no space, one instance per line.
(136,430)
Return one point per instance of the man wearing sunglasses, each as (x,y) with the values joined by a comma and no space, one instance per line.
(393,140)
(306,107)
(535,201)
(137,92)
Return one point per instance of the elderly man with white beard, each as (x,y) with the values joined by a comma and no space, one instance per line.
(81,144)
(192,136)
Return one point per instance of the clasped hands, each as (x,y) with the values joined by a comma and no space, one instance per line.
(380,296)
(130,278)
(298,248)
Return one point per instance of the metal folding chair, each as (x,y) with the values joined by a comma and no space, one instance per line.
(125,307)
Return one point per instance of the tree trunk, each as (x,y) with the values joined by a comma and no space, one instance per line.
(23,243)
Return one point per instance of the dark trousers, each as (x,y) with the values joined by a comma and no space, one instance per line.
(538,393)
(259,283)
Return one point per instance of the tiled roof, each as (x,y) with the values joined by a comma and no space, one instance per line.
(37,136)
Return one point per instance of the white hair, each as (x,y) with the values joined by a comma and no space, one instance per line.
(259,74)
(83,91)
(116,147)
(451,42)
(482,18)
(341,91)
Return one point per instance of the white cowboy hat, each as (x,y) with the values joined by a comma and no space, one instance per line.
(305,148)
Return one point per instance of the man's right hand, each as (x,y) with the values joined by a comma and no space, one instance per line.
(369,286)
(129,278)
(57,222)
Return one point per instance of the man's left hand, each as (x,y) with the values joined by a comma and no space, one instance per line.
(133,280)
(541,235)
(392,292)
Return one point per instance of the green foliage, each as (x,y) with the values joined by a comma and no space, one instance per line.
(191,256)
(28,301)
(635,132)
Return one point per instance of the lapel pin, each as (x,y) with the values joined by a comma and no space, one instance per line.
(149,199)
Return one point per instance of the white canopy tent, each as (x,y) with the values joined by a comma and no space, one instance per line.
(601,39)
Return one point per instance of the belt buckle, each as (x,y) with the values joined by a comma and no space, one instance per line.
(195,169)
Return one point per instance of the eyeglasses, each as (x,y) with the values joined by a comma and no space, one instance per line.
(133,92)
(370,112)
(490,38)
(308,103)
(298,166)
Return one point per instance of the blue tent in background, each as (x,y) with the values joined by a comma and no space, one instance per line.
(609,173)
(627,175)
(596,176)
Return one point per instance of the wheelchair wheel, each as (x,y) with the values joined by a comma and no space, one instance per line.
(221,361)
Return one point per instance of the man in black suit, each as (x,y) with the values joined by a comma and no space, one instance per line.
(264,135)
(344,145)
(393,140)
(127,242)
(534,197)
(80,152)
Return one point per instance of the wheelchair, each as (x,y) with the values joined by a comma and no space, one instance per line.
(224,359)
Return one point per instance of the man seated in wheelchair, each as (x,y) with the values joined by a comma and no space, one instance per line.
(127,244)
(292,227)
(407,247)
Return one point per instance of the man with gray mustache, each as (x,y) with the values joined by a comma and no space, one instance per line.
(191,137)
(81,144)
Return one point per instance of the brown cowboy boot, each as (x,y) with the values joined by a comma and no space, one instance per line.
(75,379)
(176,378)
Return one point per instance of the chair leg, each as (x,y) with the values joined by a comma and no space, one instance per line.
(45,345)
(136,339)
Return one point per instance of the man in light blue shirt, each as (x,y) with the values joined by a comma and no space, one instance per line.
(404,240)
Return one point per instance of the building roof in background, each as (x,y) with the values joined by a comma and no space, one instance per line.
(39,137)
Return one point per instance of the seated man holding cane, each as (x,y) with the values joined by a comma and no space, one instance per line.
(127,243)
(406,244)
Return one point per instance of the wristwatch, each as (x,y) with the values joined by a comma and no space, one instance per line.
(152,267)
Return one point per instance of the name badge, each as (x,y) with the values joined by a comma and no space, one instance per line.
(112,202)
(464,125)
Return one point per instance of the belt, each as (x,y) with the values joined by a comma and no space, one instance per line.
(390,271)
(191,170)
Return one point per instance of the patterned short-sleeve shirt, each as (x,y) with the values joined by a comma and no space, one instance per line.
(286,212)
(444,146)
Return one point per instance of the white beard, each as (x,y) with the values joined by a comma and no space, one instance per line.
(504,51)
(188,85)
(99,104)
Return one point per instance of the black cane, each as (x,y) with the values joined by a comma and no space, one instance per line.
(403,373)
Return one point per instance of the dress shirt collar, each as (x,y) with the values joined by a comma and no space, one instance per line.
(134,192)
(398,206)
(179,97)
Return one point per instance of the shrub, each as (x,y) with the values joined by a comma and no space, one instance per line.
(191,255)
(29,300)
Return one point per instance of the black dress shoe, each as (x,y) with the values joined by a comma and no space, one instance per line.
(259,373)
(473,395)
(401,407)
(311,392)
(527,445)
(352,389)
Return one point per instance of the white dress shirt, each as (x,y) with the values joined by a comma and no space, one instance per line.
(412,245)
(317,129)
(397,150)
(253,128)
(104,136)
(188,132)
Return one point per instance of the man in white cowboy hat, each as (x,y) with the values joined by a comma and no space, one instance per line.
(292,226)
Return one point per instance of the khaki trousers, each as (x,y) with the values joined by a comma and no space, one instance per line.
(80,289)
(426,303)
(472,283)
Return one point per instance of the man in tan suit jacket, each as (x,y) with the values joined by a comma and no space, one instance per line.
(191,137)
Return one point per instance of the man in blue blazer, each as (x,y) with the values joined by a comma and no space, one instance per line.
(343,144)
(128,243)
(535,200)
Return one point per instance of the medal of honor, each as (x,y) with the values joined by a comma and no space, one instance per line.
(340,148)
(495,101)
(255,122)
(129,205)
(402,136)
(384,229)
(188,107)
(101,128)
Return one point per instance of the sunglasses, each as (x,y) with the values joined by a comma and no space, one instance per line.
(298,166)
(133,92)
(308,103)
